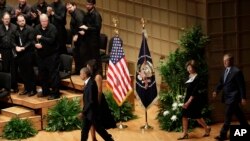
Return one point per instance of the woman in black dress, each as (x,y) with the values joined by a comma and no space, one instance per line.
(193,101)
(105,116)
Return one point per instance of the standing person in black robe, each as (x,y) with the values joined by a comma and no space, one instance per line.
(5,8)
(6,49)
(92,28)
(47,57)
(80,54)
(23,42)
(36,10)
(22,9)
(57,15)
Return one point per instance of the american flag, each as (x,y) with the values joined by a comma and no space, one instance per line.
(118,79)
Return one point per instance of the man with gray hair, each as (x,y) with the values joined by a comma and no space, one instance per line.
(47,57)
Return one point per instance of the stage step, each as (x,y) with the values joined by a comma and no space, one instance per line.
(36,120)
(18,111)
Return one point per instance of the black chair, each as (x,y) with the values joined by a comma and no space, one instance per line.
(5,85)
(66,67)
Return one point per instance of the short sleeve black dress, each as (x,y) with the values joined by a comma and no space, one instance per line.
(192,89)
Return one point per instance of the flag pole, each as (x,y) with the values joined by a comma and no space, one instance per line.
(116,32)
(146,126)
(120,125)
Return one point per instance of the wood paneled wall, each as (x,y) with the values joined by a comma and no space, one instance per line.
(166,20)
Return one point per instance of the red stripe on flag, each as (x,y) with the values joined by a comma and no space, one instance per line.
(119,80)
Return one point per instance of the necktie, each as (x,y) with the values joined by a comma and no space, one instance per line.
(225,74)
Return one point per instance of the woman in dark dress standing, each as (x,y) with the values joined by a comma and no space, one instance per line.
(105,116)
(193,101)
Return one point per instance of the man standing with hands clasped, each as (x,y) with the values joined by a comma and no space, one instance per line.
(48,60)
(234,92)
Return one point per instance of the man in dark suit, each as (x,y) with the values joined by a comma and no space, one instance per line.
(90,108)
(234,92)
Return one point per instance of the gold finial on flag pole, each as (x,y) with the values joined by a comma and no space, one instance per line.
(115,23)
(143,23)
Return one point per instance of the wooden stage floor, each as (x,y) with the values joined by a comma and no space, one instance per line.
(133,132)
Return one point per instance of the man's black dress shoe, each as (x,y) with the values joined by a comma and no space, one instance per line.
(32,93)
(23,92)
(42,95)
(220,138)
(52,97)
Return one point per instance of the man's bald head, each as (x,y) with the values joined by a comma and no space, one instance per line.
(44,20)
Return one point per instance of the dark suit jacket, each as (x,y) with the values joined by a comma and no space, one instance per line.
(234,86)
(90,99)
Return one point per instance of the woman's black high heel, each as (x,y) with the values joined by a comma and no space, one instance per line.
(183,137)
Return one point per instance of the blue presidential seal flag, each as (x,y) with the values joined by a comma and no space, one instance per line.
(145,75)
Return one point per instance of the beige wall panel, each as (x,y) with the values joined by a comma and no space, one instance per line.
(156,30)
(155,3)
(191,21)
(182,6)
(172,19)
(164,18)
(191,8)
(100,3)
(123,35)
(164,4)
(130,9)
(106,4)
(215,26)
(148,2)
(244,23)
(131,25)
(229,25)
(114,6)
(131,38)
(106,19)
(138,40)
(165,33)
(165,48)
(173,35)
(244,40)
(244,59)
(173,46)
(123,22)
(147,12)
(156,46)
(216,42)
(172,5)
(182,21)
(229,8)
(200,7)
(122,7)
(214,10)
(229,41)
(244,7)
(155,15)
(138,10)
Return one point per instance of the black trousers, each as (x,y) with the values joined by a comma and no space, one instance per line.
(98,127)
(25,65)
(48,68)
(230,109)
(8,65)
